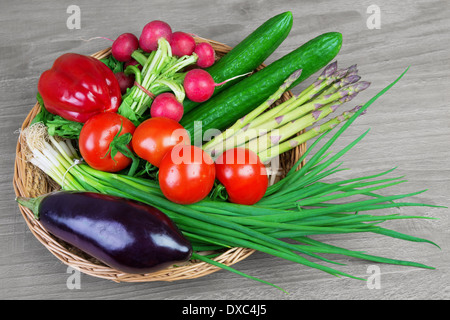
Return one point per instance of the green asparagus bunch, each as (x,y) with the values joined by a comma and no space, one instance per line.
(270,131)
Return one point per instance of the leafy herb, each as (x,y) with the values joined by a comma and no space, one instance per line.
(113,64)
(57,125)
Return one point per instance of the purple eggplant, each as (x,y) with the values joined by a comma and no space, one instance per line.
(127,235)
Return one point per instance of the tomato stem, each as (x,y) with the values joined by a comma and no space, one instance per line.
(120,144)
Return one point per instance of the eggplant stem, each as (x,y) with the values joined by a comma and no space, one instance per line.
(31,203)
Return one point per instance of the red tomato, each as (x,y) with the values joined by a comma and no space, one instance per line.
(155,136)
(243,175)
(186,174)
(96,136)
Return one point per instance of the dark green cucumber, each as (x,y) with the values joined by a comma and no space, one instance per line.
(224,109)
(248,54)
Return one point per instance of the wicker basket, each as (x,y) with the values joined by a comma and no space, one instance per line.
(30,181)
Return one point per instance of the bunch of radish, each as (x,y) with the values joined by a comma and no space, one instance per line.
(198,85)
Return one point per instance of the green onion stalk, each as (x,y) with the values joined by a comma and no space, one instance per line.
(267,125)
(282,224)
(161,72)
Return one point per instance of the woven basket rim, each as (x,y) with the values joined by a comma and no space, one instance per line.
(29,181)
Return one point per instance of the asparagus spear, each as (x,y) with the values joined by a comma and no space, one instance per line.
(350,71)
(323,82)
(339,84)
(276,150)
(244,135)
(290,129)
(315,105)
(327,77)
(332,88)
(241,123)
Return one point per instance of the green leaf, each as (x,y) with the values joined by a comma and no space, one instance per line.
(113,64)
(57,125)
(126,111)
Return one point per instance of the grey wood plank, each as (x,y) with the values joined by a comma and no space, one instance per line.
(409,129)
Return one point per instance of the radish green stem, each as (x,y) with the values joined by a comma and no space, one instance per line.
(230,79)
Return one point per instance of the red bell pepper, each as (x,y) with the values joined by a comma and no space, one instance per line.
(78,87)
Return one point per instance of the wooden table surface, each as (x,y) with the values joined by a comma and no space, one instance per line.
(409,129)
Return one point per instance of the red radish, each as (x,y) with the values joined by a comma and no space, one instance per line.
(199,85)
(151,33)
(182,44)
(206,54)
(124,46)
(125,81)
(166,105)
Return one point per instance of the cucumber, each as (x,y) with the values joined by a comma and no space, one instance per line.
(222,110)
(248,54)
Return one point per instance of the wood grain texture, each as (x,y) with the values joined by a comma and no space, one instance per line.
(409,129)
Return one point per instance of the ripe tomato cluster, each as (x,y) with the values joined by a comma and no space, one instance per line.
(186,173)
